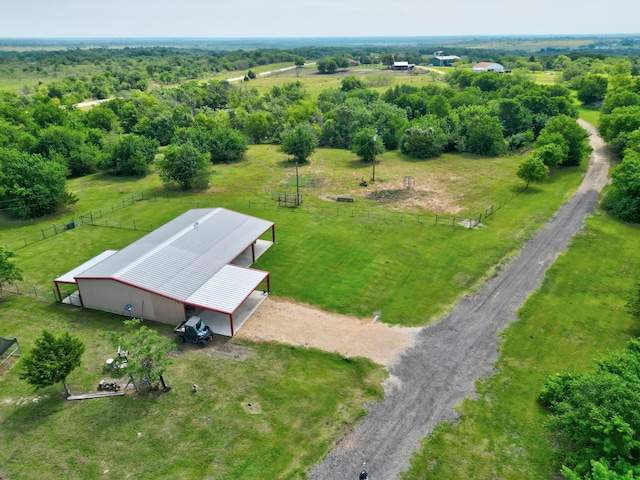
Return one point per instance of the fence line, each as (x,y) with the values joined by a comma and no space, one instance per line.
(99,217)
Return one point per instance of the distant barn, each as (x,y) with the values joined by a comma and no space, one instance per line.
(488,67)
(443,60)
(402,66)
(197,264)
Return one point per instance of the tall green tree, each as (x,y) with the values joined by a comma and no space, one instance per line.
(623,198)
(226,145)
(484,136)
(300,141)
(9,272)
(258,126)
(186,166)
(146,350)
(575,137)
(132,155)
(594,416)
(367,144)
(532,169)
(591,88)
(52,359)
(31,186)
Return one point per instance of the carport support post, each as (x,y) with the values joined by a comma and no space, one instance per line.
(231,324)
(58,290)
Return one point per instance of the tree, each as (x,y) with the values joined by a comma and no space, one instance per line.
(300,141)
(514,117)
(423,141)
(132,155)
(30,186)
(258,126)
(484,136)
(52,359)
(186,166)
(593,415)
(623,198)
(9,273)
(591,88)
(367,144)
(146,351)
(532,169)
(558,144)
(575,137)
(351,83)
(551,154)
(226,145)
(327,65)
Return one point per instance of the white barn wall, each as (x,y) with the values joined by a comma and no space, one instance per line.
(112,296)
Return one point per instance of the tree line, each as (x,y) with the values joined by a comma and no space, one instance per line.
(202,123)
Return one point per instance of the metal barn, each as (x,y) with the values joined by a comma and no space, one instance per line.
(195,264)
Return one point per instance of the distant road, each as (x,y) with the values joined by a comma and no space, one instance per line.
(269,72)
(90,103)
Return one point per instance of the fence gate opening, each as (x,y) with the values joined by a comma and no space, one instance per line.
(289,199)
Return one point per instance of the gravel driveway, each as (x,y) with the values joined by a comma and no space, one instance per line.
(441,369)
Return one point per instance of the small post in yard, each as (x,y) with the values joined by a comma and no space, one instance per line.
(375,138)
(297,186)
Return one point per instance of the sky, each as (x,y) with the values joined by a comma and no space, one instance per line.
(313,18)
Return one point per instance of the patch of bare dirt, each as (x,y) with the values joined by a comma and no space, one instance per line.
(303,325)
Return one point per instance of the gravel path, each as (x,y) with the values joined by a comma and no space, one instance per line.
(441,369)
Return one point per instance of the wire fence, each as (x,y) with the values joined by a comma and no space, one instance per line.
(344,207)
(99,218)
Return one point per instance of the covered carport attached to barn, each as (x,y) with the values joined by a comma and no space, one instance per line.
(229,298)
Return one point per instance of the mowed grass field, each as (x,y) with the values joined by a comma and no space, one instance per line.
(272,411)
(371,255)
(263,410)
(578,315)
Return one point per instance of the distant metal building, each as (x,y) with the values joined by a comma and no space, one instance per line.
(195,264)
(488,67)
(402,66)
(443,60)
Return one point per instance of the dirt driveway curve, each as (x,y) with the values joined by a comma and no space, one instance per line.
(440,369)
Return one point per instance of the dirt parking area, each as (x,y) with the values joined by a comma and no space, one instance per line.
(293,323)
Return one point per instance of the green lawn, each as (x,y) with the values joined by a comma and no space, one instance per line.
(578,314)
(352,258)
(355,258)
(270,411)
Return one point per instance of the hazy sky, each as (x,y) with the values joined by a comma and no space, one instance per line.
(313,18)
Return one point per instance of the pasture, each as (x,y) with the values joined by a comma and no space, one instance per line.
(249,421)
(577,316)
(265,410)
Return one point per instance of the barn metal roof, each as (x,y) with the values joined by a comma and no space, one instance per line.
(227,289)
(70,277)
(181,257)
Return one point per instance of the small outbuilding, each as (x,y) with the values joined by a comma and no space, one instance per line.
(488,67)
(402,66)
(10,353)
(443,60)
(196,264)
